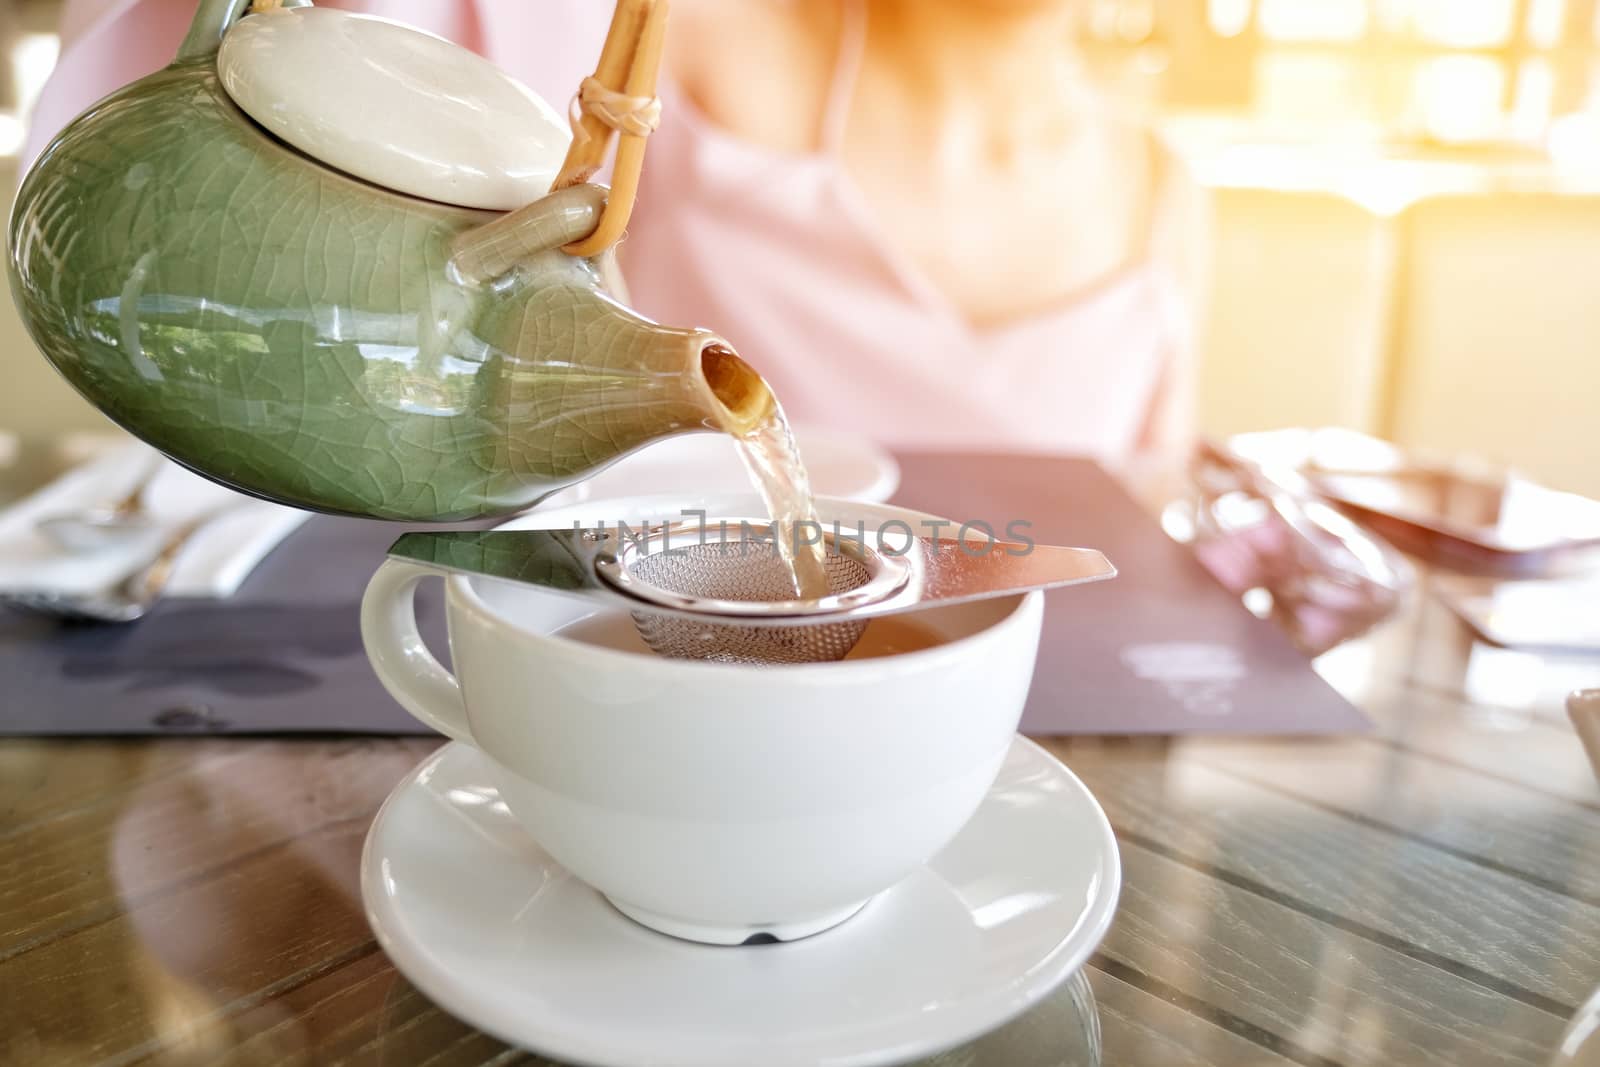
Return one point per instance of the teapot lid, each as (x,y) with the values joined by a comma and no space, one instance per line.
(395,106)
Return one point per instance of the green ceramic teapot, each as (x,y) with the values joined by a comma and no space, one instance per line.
(306,336)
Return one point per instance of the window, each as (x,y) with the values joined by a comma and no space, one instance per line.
(1471,77)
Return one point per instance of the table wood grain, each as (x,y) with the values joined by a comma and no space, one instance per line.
(1428,894)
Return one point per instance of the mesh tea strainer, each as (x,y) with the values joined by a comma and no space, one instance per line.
(746,574)
(718,590)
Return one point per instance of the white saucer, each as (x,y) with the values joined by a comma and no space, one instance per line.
(843,465)
(483,922)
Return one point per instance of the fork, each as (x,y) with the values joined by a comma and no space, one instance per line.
(129,599)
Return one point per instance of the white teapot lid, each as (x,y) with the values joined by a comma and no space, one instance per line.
(395,106)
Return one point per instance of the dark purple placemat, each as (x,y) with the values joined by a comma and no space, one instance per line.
(1162,648)
(283,655)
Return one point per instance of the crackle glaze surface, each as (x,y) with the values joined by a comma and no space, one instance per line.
(299,335)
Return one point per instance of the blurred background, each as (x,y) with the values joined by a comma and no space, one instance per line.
(1407,214)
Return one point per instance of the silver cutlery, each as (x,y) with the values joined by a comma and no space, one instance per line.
(107,525)
(129,599)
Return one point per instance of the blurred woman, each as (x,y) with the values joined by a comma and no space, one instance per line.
(918,218)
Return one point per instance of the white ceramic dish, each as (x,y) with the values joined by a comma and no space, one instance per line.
(483,921)
(395,106)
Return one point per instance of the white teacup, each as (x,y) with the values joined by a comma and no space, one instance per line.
(716,802)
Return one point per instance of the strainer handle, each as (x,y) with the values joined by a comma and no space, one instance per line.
(399,655)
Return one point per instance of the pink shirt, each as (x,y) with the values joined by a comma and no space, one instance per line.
(776,252)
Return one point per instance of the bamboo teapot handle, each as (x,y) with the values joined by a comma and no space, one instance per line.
(620,98)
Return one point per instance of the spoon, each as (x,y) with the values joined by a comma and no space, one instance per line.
(106,526)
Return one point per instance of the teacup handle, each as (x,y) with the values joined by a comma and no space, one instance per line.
(400,656)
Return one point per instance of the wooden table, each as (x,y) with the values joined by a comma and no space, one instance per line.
(1429,894)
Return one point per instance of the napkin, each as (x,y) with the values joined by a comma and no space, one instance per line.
(216,560)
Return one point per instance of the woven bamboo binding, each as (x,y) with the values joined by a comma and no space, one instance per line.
(619,98)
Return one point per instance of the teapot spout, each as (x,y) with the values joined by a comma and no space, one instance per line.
(739,398)
(626,382)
